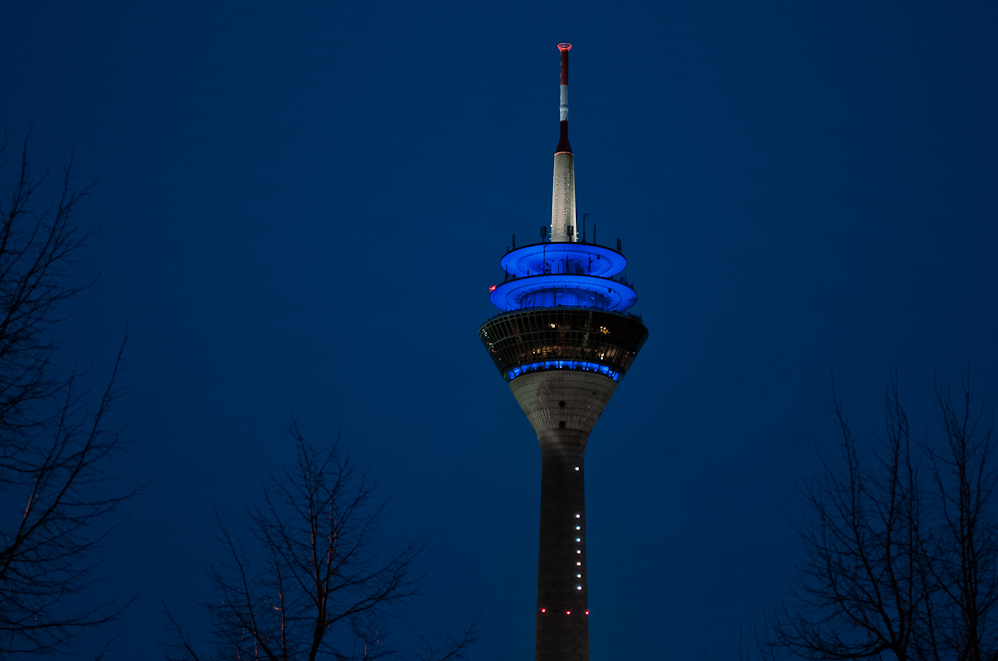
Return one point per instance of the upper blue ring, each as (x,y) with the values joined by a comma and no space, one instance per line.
(554,258)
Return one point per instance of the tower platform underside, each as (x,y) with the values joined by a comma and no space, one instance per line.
(542,339)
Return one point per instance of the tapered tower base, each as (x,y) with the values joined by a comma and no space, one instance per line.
(562,406)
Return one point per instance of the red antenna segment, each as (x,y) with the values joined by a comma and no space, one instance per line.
(563,145)
(564,48)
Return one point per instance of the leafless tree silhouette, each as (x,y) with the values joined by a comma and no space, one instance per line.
(901,550)
(961,614)
(312,586)
(54,504)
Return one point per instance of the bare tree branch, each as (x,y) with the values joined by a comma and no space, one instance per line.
(313,586)
(53,450)
(899,561)
(861,584)
(965,566)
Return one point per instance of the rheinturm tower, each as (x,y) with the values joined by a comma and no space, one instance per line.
(563,342)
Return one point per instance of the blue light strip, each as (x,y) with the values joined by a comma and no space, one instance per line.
(512,294)
(562,365)
(579,258)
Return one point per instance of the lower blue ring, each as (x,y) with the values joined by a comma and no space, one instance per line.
(562,365)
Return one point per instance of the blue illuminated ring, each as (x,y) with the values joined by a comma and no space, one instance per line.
(545,257)
(545,365)
(619,296)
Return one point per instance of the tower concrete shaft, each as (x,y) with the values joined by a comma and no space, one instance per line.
(562,407)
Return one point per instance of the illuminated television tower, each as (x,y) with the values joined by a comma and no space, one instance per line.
(563,342)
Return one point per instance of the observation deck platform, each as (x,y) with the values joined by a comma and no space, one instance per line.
(588,339)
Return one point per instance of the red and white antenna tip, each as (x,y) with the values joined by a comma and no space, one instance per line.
(564,48)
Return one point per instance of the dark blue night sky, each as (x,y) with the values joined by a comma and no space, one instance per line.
(301,209)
